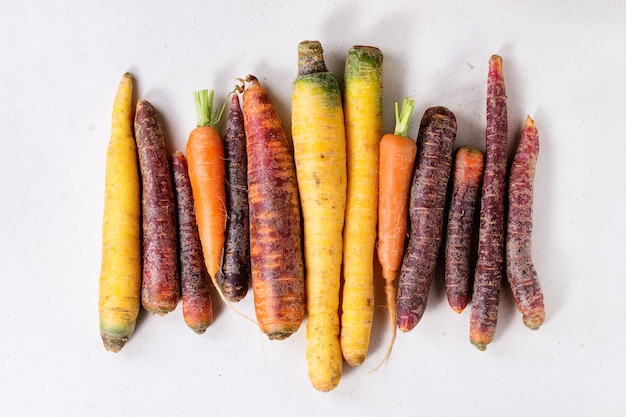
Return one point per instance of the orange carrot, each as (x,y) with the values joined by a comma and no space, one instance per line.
(397,159)
(468,172)
(205,159)
(275,241)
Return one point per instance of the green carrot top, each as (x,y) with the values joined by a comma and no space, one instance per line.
(403,117)
(206,115)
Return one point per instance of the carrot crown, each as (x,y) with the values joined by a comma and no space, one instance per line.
(310,58)
(403,117)
(206,115)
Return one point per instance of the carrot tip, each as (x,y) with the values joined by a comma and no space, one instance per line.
(199,329)
(406,324)
(113,344)
(533,323)
(356,361)
(457,302)
(480,346)
(279,335)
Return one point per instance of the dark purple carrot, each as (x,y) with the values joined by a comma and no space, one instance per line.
(160,283)
(426,207)
(520,269)
(468,171)
(194,278)
(489,266)
(236,264)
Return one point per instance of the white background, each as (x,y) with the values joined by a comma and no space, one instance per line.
(61,62)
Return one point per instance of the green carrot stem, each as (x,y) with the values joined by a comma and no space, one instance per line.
(403,117)
(205,114)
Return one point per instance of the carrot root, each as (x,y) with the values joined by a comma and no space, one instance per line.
(426,208)
(160,281)
(521,272)
(468,169)
(397,160)
(489,266)
(363,120)
(275,242)
(196,298)
(235,277)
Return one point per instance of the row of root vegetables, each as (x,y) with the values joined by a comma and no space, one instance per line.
(301,224)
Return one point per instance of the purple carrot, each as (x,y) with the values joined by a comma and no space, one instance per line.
(489,266)
(520,269)
(426,207)
(160,284)
(194,278)
(468,172)
(236,265)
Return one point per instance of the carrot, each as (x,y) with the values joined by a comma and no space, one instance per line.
(160,282)
(235,276)
(207,171)
(197,306)
(426,210)
(521,271)
(363,118)
(320,155)
(275,242)
(489,266)
(397,159)
(120,274)
(468,172)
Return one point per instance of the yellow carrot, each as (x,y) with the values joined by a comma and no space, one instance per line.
(120,275)
(363,120)
(320,155)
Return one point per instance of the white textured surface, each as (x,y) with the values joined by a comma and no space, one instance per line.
(564,64)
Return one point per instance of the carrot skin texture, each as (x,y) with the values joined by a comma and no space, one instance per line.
(490,263)
(426,210)
(235,277)
(468,171)
(160,281)
(194,279)
(320,156)
(521,272)
(275,242)
(363,118)
(120,274)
